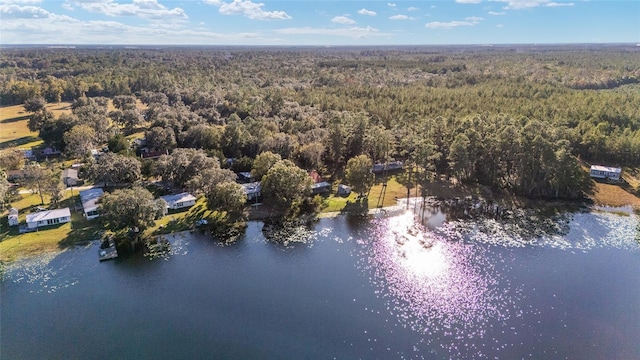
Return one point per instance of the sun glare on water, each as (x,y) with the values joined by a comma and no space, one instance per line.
(416,252)
(444,289)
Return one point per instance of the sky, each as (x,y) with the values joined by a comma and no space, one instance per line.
(304,22)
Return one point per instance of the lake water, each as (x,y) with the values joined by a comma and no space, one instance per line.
(387,288)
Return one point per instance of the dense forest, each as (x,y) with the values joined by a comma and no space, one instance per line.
(519,119)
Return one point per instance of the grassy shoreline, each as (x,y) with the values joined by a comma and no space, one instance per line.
(14,246)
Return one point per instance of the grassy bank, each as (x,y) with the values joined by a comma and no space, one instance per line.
(14,245)
(622,194)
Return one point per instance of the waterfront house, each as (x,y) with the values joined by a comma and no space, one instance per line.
(89,200)
(179,201)
(605,172)
(48,217)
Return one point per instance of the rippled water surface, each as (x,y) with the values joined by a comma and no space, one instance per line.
(562,286)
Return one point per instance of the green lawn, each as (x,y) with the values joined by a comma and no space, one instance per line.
(14,245)
(393,192)
(13,125)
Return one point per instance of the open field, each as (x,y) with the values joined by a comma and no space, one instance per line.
(14,131)
(14,120)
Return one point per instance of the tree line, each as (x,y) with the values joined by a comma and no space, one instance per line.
(513,119)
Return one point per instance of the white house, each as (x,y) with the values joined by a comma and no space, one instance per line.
(48,217)
(252,190)
(179,201)
(89,200)
(12,218)
(605,172)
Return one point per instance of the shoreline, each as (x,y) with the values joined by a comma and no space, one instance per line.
(622,210)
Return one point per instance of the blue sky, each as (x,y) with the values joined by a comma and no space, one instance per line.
(302,22)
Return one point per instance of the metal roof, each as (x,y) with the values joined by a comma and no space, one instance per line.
(48,214)
(606,168)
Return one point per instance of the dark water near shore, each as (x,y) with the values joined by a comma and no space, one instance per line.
(465,289)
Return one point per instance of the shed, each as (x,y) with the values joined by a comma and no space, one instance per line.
(89,200)
(344,190)
(605,172)
(179,201)
(48,217)
(12,218)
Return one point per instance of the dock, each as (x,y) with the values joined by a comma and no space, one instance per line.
(107,250)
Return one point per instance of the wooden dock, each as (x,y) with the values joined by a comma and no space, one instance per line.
(107,250)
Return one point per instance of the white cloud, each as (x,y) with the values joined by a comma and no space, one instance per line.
(468,1)
(13,11)
(141,8)
(391,4)
(527,4)
(499,25)
(364,11)
(469,21)
(412,8)
(249,9)
(401,17)
(497,13)
(556,4)
(351,31)
(20,1)
(51,28)
(344,20)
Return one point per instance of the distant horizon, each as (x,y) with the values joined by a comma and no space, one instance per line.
(134,46)
(317,23)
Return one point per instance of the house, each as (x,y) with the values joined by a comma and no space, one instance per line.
(605,172)
(315,176)
(344,190)
(321,188)
(14,175)
(390,166)
(28,154)
(245,177)
(179,201)
(50,152)
(89,200)
(12,218)
(48,217)
(153,155)
(70,177)
(252,190)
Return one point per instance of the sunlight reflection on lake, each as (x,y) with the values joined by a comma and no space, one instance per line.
(441,288)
